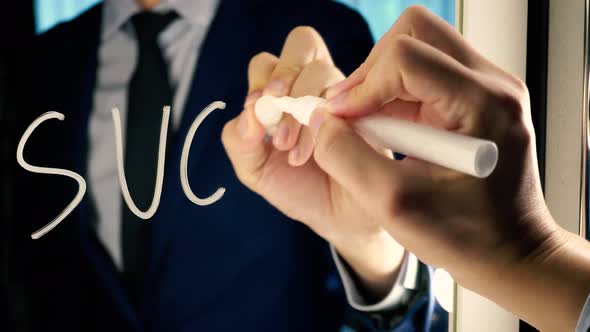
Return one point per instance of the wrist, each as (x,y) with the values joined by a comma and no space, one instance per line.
(563,272)
(375,261)
(526,242)
(546,287)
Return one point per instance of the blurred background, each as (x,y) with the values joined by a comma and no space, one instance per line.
(378,13)
(19,23)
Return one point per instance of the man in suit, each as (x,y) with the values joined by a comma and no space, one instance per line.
(238,264)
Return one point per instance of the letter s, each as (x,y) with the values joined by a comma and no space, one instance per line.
(48,170)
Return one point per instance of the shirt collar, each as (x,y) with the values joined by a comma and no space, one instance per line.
(117,12)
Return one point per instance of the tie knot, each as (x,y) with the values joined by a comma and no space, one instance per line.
(148,25)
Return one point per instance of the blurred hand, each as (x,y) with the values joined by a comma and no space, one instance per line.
(283,174)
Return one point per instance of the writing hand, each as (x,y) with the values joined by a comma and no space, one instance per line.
(494,235)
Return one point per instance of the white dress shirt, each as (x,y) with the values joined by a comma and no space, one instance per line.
(179,43)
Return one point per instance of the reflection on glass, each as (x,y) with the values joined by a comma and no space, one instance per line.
(380,15)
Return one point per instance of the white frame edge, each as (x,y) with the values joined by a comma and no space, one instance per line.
(497,29)
(565,109)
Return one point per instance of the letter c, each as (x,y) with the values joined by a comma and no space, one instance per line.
(184,158)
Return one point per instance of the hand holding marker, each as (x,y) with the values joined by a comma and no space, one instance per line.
(465,226)
(462,153)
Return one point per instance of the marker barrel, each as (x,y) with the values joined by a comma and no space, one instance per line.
(461,153)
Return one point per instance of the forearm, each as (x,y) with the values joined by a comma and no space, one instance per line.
(549,291)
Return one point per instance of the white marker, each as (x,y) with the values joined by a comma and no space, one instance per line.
(461,153)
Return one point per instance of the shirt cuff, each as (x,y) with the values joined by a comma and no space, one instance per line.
(584,320)
(407,279)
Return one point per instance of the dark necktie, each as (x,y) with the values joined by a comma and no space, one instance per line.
(149,90)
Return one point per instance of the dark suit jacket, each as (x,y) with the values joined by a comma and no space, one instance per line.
(236,265)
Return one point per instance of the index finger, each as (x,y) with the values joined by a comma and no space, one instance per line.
(302,46)
(415,71)
(260,68)
(419,23)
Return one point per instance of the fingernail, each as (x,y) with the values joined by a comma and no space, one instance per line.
(337,103)
(252,97)
(276,88)
(316,121)
(243,124)
(281,134)
(293,155)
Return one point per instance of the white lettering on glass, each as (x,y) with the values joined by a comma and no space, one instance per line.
(120,166)
(160,170)
(49,170)
(184,158)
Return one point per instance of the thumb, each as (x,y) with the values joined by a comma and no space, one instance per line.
(243,140)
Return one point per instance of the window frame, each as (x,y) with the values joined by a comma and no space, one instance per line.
(505,45)
(567,114)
